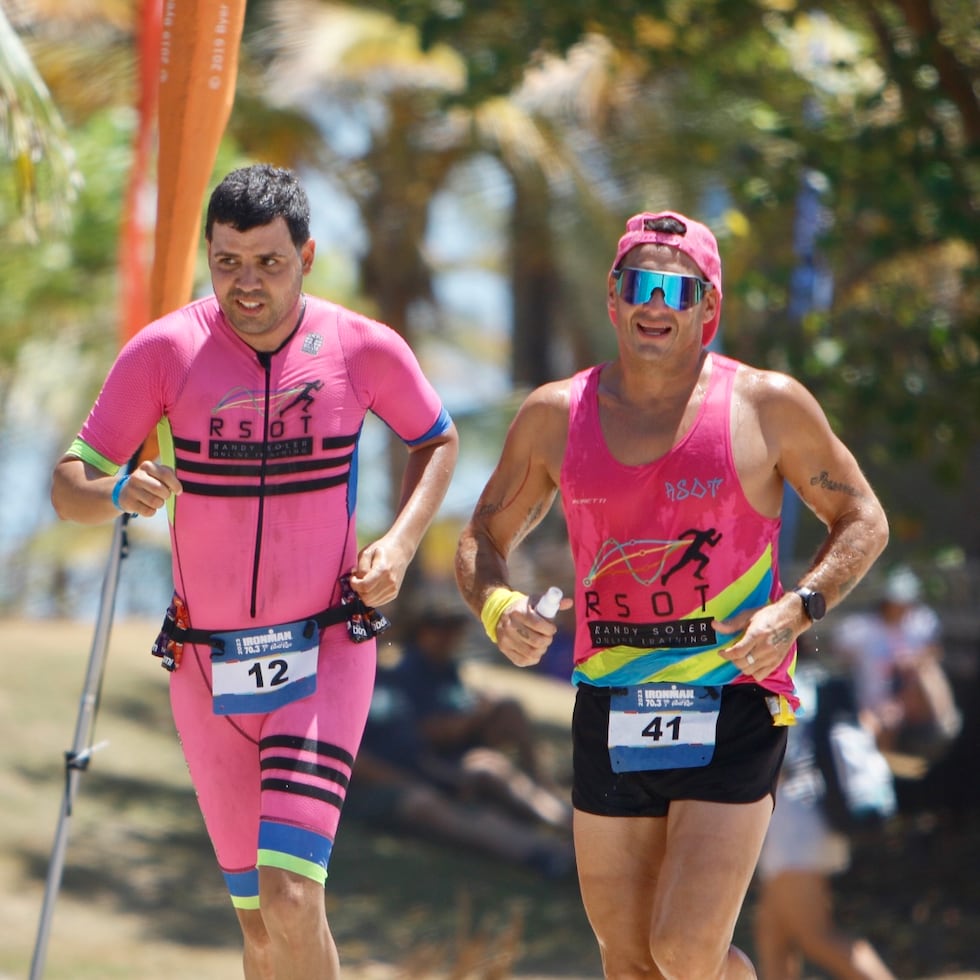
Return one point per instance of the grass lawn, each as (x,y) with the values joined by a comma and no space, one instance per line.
(142,899)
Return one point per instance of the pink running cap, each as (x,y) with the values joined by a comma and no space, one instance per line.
(696,241)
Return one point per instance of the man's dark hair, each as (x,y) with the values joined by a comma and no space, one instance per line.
(253,196)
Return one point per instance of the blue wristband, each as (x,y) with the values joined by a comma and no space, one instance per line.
(117,491)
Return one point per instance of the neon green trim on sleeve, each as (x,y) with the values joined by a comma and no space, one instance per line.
(250,902)
(288,862)
(83,451)
(168,456)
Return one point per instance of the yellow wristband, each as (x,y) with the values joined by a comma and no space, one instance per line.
(494,607)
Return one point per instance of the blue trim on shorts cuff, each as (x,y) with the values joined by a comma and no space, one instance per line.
(243,886)
(440,425)
(306,848)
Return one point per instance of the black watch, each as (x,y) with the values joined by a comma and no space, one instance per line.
(814,604)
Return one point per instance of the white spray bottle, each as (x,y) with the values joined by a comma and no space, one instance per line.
(547,606)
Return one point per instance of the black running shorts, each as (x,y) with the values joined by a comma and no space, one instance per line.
(748,753)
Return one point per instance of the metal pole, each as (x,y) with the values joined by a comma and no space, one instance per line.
(77,759)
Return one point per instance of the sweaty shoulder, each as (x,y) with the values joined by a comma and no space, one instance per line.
(761,386)
(553,396)
(778,404)
(547,407)
(773,417)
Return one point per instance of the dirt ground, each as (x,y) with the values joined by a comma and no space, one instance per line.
(141,898)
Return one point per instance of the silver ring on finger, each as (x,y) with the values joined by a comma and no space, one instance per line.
(749,659)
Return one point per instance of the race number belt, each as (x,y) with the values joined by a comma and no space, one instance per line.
(258,670)
(662,726)
(363,623)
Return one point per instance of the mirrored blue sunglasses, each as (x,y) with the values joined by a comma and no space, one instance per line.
(637,286)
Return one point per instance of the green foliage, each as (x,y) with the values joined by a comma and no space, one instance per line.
(67,281)
(734,104)
(499,40)
(720,109)
(40,179)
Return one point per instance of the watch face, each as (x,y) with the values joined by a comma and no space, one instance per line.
(814,603)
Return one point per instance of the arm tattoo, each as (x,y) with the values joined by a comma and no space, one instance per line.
(780,637)
(533,515)
(488,509)
(823,480)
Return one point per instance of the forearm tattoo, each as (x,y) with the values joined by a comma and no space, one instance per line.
(489,509)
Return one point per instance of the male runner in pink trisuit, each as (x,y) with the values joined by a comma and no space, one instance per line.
(259,395)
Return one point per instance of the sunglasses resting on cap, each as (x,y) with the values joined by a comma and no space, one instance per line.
(637,286)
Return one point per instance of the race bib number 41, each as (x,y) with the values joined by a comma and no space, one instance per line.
(662,726)
(259,670)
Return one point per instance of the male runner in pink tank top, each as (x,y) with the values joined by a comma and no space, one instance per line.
(671,463)
(259,394)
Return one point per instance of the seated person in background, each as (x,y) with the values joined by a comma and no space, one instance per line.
(895,654)
(444,761)
(794,916)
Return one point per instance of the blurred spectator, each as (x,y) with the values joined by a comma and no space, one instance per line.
(442,760)
(950,785)
(794,916)
(895,655)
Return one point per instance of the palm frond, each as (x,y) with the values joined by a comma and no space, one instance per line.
(43,179)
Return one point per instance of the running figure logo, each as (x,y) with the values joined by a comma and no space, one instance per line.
(693,552)
(243,398)
(305,396)
(645,560)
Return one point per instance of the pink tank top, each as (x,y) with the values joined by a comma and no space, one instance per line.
(265,446)
(663,548)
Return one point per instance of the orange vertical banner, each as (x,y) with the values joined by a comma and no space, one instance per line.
(135,234)
(198,69)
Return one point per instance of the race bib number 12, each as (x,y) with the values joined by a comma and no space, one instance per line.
(662,726)
(259,670)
